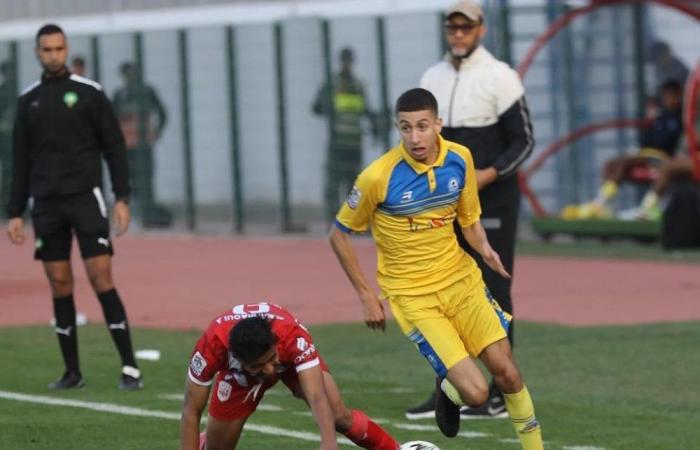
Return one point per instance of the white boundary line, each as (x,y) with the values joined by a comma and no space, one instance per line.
(140,412)
(264,429)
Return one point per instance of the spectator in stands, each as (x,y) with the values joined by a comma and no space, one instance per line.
(658,143)
(667,66)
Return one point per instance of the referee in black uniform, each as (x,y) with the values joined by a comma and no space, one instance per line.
(482,104)
(64,126)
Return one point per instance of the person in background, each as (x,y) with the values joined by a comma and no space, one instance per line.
(344,103)
(64,128)
(142,117)
(8,101)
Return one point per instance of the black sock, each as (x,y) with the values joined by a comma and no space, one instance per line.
(67,332)
(115,316)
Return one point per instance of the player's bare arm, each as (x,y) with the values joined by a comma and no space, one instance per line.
(484,177)
(476,237)
(122,217)
(15,230)
(311,381)
(374,315)
(196,397)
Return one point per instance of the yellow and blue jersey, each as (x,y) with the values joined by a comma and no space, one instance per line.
(411,208)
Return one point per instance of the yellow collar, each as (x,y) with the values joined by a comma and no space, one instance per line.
(418,166)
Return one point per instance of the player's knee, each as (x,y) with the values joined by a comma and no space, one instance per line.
(477,395)
(61,285)
(100,281)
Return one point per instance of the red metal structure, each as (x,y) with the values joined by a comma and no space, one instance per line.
(691,94)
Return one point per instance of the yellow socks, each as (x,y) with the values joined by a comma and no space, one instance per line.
(650,200)
(607,191)
(522,414)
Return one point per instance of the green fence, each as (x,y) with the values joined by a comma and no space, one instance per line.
(220,120)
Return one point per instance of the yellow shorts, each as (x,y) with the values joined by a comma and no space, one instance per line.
(451,324)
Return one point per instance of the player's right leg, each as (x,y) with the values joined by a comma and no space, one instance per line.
(221,434)
(52,247)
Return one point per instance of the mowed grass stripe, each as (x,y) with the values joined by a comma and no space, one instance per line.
(141,412)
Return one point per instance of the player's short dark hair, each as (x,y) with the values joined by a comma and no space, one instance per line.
(417,99)
(672,86)
(251,338)
(49,28)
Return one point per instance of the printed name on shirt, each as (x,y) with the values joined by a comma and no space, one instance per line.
(305,354)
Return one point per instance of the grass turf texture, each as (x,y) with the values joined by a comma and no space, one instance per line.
(605,387)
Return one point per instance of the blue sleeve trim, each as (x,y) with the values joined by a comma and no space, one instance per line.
(342,227)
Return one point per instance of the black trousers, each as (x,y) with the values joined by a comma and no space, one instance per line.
(500,204)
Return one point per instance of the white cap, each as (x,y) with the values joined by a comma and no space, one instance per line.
(468,8)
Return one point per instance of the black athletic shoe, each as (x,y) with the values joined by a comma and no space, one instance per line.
(131,379)
(446,413)
(495,408)
(69,380)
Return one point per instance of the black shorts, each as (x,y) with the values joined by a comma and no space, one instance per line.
(56,219)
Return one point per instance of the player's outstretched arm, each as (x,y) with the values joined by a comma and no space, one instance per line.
(311,381)
(195,400)
(372,305)
(476,236)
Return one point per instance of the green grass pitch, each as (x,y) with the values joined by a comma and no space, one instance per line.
(626,388)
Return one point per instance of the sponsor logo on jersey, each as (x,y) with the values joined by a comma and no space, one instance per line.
(354,197)
(406,196)
(223,393)
(198,364)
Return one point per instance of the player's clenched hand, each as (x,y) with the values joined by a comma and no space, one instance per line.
(374,312)
(122,217)
(15,230)
(494,261)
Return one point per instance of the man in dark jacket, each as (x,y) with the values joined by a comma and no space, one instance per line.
(63,127)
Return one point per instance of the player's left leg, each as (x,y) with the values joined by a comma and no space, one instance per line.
(483,326)
(99,270)
(89,220)
(352,423)
(498,360)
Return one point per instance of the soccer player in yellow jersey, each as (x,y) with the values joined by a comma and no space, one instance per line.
(411,196)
